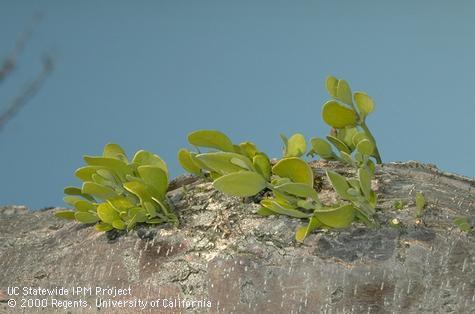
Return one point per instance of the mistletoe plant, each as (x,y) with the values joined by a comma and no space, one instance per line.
(236,172)
(348,122)
(355,145)
(223,157)
(118,194)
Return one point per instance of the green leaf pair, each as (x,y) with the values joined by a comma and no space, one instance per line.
(338,116)
(346,141)
(346,113)
(118,194)
(338,217)
(298,199)
(357,191)
(341,91)
(238,170)
(295,169)
(223,156)
(295,146)
(242,184)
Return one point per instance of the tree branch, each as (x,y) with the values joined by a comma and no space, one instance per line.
(31,89)
(10,61)
(8,66)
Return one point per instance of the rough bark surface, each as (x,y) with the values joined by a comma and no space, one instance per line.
(225,253)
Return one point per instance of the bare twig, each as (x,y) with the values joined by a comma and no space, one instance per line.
(10,61)
(31,89)
(8,66)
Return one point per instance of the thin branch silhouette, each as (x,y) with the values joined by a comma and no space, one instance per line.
(9,64)
(31,89)
(10,61)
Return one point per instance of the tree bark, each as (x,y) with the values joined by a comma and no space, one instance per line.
(240,262)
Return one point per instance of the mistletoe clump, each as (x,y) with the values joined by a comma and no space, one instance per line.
(242,170)
(118,194)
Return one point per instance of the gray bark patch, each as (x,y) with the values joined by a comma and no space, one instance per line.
(244,263)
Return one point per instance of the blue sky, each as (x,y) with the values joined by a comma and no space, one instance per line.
(145,73)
